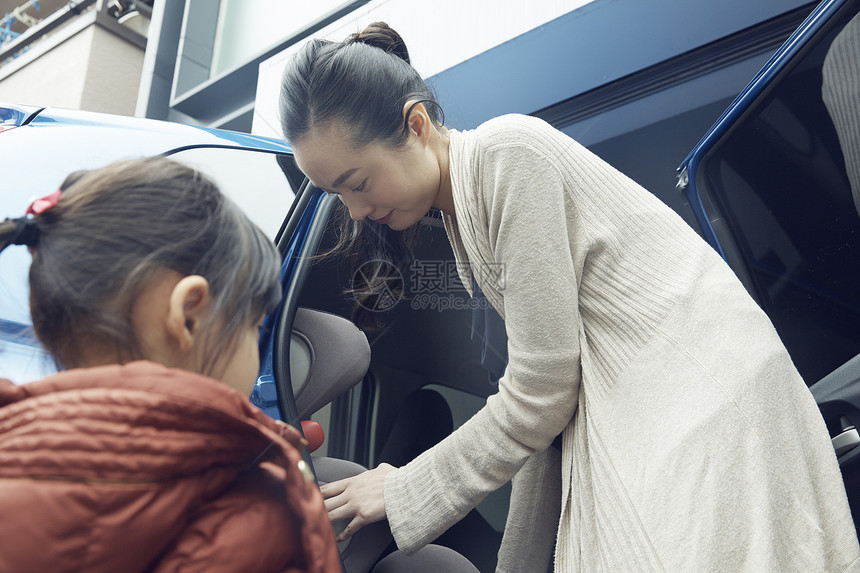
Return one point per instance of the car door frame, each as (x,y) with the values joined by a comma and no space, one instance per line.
(837,393)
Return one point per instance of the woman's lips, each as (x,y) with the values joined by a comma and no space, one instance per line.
(385,219)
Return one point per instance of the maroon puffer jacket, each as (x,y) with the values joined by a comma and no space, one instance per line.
(145,468)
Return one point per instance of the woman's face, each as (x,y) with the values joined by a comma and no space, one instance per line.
(393,186)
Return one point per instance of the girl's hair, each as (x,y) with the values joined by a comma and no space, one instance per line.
(113,230)
(363,83)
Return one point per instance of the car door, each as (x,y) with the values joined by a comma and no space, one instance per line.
(775,188)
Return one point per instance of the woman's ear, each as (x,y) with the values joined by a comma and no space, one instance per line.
(418,120)
(189,305)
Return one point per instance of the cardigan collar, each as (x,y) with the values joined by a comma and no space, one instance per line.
(468,228)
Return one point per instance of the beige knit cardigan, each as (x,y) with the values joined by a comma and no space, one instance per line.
(690,442)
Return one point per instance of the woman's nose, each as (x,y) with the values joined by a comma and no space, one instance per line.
(358,209)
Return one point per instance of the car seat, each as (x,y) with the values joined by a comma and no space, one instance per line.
(328,356)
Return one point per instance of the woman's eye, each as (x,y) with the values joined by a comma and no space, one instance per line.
(360,187)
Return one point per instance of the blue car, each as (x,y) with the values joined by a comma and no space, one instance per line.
(774,187)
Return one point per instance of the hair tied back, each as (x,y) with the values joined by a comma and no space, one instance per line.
(26,231)
(381,35)
(49,201)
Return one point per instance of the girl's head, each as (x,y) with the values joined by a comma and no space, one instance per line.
(146,259)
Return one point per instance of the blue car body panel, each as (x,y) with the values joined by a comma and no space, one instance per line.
(265,394)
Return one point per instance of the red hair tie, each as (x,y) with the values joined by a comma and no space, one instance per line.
(49,201)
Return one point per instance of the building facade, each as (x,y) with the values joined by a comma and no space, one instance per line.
(638,82)
(85,55)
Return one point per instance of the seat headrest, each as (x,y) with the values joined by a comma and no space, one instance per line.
(328,356)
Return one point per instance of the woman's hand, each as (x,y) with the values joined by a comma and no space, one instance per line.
(359,498)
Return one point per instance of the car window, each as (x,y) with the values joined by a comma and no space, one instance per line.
(259,182)
(781,181)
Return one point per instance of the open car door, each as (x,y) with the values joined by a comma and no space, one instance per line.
(775,188)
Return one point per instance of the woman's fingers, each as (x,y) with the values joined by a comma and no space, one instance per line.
(334,488)
(350,529)
(359,498)
(340,512)
(335,502)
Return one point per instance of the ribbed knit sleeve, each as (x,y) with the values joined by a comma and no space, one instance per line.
(534,250)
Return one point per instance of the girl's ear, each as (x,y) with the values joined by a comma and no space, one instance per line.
(418,121)
(187,309)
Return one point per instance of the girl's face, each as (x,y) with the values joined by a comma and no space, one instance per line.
(239,370)
(172,318)
(393,186)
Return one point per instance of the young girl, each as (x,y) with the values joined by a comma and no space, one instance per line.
(148,287)
(688,440)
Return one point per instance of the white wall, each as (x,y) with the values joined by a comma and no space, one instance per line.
(247,27)
(439,35)
(82,66)
(53,78)
(113,75)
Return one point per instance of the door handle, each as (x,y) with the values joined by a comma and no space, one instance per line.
(847,439)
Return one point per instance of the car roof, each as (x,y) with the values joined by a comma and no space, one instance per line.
(49,143)
(169,135)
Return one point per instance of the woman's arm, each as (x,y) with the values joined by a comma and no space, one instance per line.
(534,234)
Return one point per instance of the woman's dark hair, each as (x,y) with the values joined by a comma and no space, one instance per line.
(114,229)
(363,83)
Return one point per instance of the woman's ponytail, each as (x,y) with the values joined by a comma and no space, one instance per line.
(381,35)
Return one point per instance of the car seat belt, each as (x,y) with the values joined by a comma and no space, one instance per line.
(489,327)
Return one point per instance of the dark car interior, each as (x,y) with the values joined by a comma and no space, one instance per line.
(779,182)
(433,360)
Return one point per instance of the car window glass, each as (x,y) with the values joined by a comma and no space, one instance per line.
(782,181)
(258,182)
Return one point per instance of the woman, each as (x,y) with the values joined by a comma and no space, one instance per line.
(689,441)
